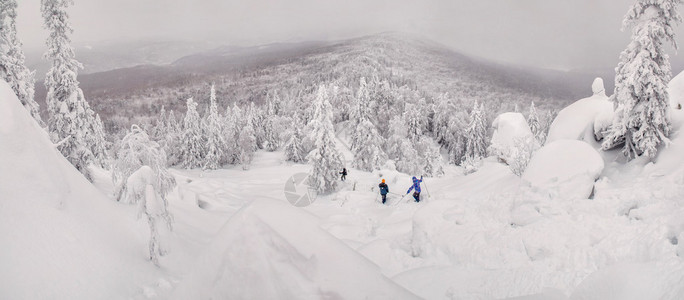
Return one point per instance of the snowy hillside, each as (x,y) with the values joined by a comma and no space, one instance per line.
(250,74)
(487,235)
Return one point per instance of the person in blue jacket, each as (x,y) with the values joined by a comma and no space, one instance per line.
(416,188)
(384,189)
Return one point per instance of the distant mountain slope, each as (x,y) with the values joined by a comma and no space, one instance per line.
(249,74)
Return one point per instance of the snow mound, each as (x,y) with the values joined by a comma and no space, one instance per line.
(509,128)
(272,250)
(58,233)
(567,168)
(585,119)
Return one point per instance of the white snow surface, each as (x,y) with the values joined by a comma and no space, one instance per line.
(584,118)
(487,235)
(61,237)
(565,168)
(508,128)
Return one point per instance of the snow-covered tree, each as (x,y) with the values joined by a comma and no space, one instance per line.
(216,143)
(134,151)
(246,145)
(271,135)
(294,150)
(13,62)
(233,123)
(401,149)
(325,160)
(535,124)
(521,153)
(171,139)
(366,142)
(368,153)
(642,120)
(476,134)
(141,187)
(458,140)
(192,141)
(255,116)
(432,159)
(160,130)
(70,119)
(98,143)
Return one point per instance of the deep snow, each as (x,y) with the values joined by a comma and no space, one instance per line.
(486,235)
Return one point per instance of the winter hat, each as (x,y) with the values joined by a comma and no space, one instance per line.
(414,178)
(383,180)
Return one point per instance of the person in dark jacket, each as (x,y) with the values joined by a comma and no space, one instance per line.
(384,189)
(344,173)
(416,188)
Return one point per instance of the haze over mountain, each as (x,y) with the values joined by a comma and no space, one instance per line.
(250,73)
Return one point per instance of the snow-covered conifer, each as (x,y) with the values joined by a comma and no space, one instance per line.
(192,142)
(171,139)
(294,150)
(476,134)
(246,145)
(535,124)
(13,62)
(255,116)
(401,149)
(134,151)
(324,159)
(98,143)
(70,119)
(642,120)
(271,135)
(368,153)
(432,159)
(216,143)
(160,127)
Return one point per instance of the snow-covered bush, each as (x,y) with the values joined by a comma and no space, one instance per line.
(510,138)
(137,150)
(521,153)
(151,202)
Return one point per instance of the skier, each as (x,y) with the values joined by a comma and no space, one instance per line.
(416,188)
(384,189)
(344,173)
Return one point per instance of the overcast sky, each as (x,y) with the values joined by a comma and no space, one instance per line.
(562,34)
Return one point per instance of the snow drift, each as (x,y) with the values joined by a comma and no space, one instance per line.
(61,237)
(585,119)
(272,250)
(566,168)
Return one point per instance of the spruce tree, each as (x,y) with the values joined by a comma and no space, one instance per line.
(192,147)
(171,139)
(271,135)
(294,150)
(642,120)
(476,134)
(13,62)
(325,160)
(70,119)
(98,143)
(216,143)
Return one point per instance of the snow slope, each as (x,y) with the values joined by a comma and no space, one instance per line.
(272,250)
(61,237)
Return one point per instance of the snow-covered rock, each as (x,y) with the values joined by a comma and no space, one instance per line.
(272,250)
(566,168)
(61,238)
(585,119)
(509,129)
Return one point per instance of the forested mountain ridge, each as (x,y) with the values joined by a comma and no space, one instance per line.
(248,74)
